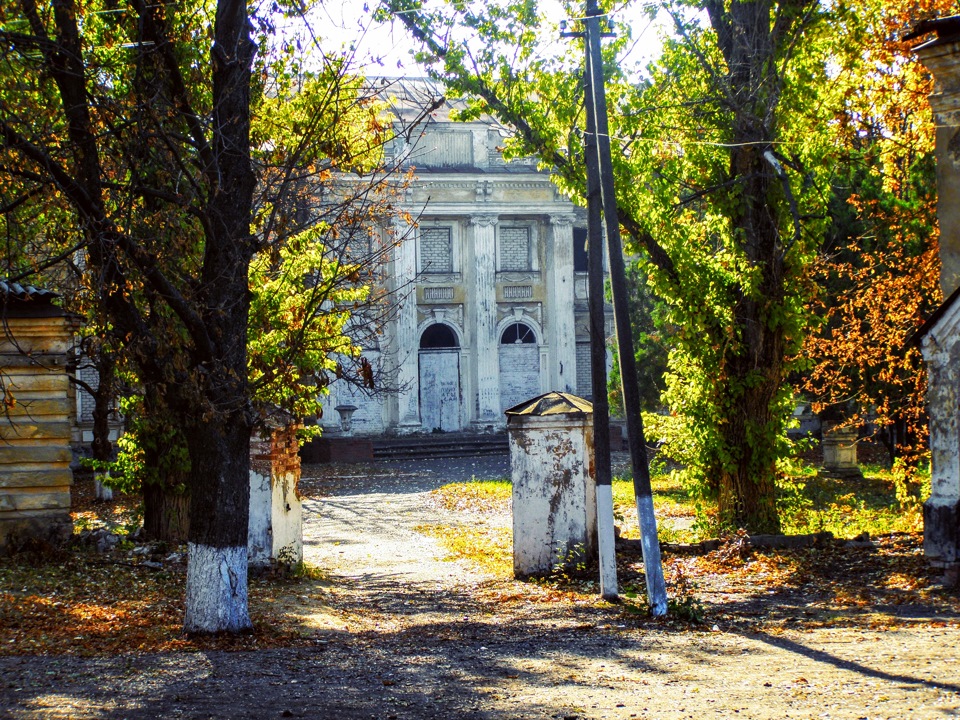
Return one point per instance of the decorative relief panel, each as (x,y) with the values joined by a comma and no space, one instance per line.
(517,292)
(518,277)
(440,279)
(518,312)
(580,287)
(452,314)
(438,293)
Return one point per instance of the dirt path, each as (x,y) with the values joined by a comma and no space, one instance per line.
(395,631)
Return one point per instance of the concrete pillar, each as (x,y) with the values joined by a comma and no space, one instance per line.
(560,293)
(554,491)
(940,336)
(406,340)
(275,530)
(485,315)
(942,58)
(941,513)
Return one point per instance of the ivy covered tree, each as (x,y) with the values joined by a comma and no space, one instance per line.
(131,130)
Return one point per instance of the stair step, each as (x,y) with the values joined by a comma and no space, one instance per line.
(427,446)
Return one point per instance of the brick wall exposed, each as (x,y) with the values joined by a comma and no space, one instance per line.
(436,250)
(277,455)
(584,386)
(515,248)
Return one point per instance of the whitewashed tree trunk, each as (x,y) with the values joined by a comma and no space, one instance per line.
(216,590)
(101,491)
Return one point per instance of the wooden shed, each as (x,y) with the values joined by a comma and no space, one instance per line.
(35,456)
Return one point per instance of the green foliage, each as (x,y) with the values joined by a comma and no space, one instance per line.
(874,505)
(153,450)
(722,191)
(683,603)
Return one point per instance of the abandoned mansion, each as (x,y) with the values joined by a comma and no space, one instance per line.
(490,288)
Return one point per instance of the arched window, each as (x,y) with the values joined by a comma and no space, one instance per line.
(517,334)
(438,336)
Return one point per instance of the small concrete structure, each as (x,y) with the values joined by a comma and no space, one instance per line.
(940,342)
(840,454)
(939,337)
(554,495)
(35,455)
(275,533)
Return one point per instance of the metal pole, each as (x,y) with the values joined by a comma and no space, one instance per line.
(597,106)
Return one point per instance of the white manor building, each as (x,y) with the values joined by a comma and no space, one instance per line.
(491,284)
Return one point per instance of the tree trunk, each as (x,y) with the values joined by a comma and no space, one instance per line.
(219,436)
(166,512)
(220,506)
(747,490)
(750,37)
(101,447)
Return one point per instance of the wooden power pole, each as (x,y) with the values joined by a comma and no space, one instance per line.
(600,172)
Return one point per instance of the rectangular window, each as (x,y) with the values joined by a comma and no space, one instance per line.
(515,249)
(436,250)
(580,258)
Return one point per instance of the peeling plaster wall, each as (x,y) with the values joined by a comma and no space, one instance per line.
(275,532)
(942,61)
(941,513)
(554,496)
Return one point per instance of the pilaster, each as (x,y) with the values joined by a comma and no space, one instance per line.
(561,296)
(407,342)
(943,60)
(485,292)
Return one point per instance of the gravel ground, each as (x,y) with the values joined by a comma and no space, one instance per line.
(397,631)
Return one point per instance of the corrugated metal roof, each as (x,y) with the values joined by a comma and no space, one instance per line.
(946,28)
(26,293)
(552,403)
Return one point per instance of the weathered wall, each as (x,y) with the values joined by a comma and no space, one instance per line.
(35,475)
(276,513)
(941,513)
(943,60)
(554,495)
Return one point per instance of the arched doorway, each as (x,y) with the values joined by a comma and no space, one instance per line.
(440,397)
(519,364)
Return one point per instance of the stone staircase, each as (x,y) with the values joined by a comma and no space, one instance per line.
(440,445)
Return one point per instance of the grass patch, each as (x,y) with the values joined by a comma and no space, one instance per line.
(812,504)
(490,547)
(484,496)
(673,507)
(849,508)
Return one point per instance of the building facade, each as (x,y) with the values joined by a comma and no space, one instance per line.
(489,282)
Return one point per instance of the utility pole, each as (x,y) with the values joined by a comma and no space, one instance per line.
(598,131)
(598,365)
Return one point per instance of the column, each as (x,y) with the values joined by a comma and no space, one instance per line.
(561,295)
(406,338)
(941,56)
(941,512)
(485,317)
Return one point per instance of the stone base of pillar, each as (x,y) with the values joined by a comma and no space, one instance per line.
(408,428)
(941,531)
